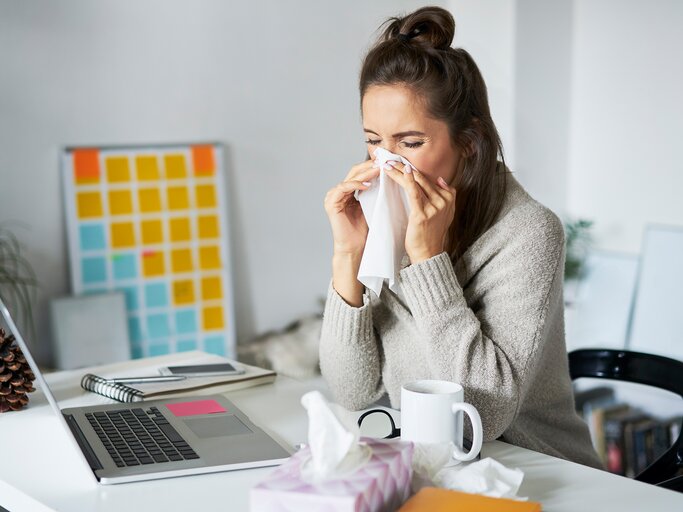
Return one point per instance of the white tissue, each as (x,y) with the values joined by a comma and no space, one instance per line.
(487,476)
(386,208)
(428,460)
(333,438)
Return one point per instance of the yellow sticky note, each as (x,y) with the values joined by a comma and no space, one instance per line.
(153,263)
(117,169)
(207,226)
(120,202)
(180,229)
(175,166)
(89,205)
(181,260)
(212,318)
(122,234)
(206,196)
(211,288)
(147,167)
(150,200)
(152,232)
(183,292)
(209,257)
(178,198)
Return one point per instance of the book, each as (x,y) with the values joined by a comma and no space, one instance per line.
(443,500)
(253,376)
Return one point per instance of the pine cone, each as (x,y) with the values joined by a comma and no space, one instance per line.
(16,377)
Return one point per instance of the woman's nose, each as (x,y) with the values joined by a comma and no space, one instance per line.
(391,148)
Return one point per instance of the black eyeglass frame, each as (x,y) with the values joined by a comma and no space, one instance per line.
(395,432)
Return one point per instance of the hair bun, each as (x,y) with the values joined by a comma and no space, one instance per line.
(432,27)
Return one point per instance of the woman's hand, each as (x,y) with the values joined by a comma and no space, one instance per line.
(432,209)
(349,229)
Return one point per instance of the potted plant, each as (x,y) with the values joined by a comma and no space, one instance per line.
(578,240)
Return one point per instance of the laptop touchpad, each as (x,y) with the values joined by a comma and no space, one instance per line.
(217,426)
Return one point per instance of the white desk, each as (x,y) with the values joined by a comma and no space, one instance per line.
(40,471)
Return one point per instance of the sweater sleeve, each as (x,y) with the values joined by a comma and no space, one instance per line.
(490,347)
(350,359)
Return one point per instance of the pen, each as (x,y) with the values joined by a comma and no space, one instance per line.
(151,378)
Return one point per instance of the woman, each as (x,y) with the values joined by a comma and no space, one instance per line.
(481,300)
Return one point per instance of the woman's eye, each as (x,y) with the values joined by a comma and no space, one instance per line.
(372,142)
(413,144)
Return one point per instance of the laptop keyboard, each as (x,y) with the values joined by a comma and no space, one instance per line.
(135,436)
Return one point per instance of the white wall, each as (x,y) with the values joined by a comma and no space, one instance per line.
(275,81)
(625,166)
(486,29)
(542,98)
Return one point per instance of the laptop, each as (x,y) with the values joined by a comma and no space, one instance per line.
(129,442)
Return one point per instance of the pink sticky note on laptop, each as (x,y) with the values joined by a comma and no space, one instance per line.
(195,407)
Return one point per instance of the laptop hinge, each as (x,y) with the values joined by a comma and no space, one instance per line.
(83,443)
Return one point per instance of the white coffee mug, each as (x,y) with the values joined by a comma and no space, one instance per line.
(430,414)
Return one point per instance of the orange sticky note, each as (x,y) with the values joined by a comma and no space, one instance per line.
(86,164)
(203,161)
(443,500)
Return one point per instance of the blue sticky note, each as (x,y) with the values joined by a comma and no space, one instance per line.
(125,266)
(156,295)
(94,270)
(157,326)
(215,345)
(134,330)
(159,349)
(131,293)
(137,352)
(92,237)
(185,321)
(186,345)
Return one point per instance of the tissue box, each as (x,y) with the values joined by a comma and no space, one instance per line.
(381,484)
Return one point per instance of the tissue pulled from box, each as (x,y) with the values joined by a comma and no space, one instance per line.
(333,439)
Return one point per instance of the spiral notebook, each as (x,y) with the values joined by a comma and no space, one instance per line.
(253,376)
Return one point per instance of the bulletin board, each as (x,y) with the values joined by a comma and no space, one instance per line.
(151,222)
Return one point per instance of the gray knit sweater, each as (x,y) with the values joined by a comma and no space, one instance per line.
(494,322)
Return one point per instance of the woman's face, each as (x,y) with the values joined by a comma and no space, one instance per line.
(394,119)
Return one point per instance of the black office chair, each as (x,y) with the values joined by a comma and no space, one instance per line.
(657,371)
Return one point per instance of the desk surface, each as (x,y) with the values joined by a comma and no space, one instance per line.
(45,472)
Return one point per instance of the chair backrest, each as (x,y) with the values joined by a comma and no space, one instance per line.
(652,370)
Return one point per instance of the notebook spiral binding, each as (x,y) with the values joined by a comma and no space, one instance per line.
(119,392)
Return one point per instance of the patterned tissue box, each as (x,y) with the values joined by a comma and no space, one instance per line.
(381,484)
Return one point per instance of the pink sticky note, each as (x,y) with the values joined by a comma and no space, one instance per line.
(195,407)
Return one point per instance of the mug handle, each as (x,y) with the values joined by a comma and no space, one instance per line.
(477,432)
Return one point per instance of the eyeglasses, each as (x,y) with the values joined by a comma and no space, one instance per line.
(378,426)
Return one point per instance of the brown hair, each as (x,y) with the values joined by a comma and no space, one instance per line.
(415,51)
